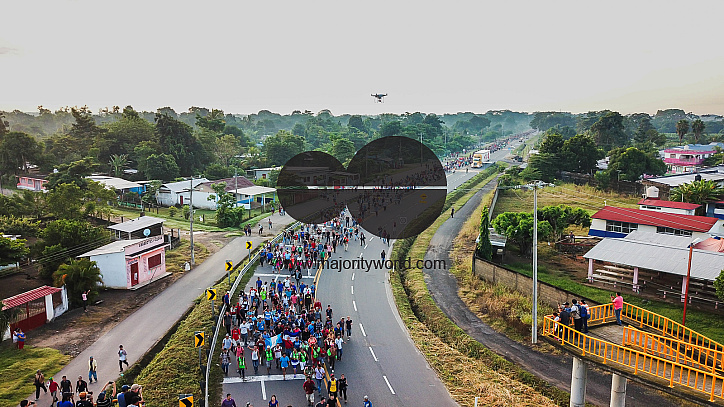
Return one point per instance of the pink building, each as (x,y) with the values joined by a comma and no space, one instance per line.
(680,160)
(131,263)
(33,182)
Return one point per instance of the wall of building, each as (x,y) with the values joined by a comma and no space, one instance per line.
(113,269)
(497,274)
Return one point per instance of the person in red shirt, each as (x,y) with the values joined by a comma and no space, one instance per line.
(53,389)
(236,335)
(309,388)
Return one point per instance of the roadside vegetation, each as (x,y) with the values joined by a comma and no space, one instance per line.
(468,368)
(17,370)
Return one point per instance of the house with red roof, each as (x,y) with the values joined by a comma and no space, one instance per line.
(612,221)
(680,208)
(35,307)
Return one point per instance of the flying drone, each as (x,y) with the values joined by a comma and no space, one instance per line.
(378,97)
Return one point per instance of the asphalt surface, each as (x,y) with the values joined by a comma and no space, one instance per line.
(380,360)
(554,369)
(141,330)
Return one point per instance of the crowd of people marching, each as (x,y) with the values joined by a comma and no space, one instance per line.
(279,325)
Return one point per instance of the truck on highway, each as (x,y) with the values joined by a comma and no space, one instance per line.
(480,157)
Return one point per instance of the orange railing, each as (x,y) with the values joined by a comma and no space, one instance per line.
(637,361)
(673,349)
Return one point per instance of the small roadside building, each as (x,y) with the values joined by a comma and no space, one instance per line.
(139,228)
(131,264)
(658,205)
(172,193)
(120,185)
(261,173)
(36,307)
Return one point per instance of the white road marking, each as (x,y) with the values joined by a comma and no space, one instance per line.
(263,389)
(361,328)
(365,246)
(354,304)
(262,378)
(372,238)
(352,289)
(388,384)
(352,276)
(373,354)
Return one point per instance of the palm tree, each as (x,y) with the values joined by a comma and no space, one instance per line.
(78,276)
(697,126)
(697,192)
(117,162)
(682,127)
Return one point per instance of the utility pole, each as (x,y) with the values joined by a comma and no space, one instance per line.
(191,218)
(236,188)
(535,263)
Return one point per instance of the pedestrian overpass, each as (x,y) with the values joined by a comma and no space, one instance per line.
(652,349)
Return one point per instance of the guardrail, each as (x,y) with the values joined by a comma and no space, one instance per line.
(679,352)
(639,362)
(233,289)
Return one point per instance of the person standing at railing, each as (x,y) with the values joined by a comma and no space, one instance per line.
(617,307)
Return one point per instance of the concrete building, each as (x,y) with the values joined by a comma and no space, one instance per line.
(613,221)
(130,264)
(687,158)
(172,193)
(32,182)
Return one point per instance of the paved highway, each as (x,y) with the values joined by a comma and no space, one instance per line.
(380,360)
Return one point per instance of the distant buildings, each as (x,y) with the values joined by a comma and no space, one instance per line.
(32,182)
(613,221)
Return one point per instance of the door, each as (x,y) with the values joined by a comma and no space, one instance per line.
(181,197)
(134,274)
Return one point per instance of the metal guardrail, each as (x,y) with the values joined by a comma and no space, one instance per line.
(233,289)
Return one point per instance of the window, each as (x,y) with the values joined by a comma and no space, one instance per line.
(653,208)
(672,231)
(154,261)
(620,227)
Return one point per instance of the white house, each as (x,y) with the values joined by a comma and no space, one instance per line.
(681,208)
(172,193)
(131,263)
(261,173)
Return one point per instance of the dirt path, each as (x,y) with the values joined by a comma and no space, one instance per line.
(553,368)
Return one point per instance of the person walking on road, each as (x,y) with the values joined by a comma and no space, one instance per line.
(343,387)
(53,389)
(225,361)
(452,212)
(39,384)
(122,357)
(92,368)
(309,387)
(242,365)
(617,307)
(348,325)
(367,402)
(382,255)
(228,401)
(319,376)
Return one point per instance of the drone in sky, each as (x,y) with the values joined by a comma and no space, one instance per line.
(378,97)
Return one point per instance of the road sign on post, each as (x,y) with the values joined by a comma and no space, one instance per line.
(229,266)
(198,339)
(211,295)
(248,247)
(185,400)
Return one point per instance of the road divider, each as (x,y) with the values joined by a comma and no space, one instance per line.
(373,354)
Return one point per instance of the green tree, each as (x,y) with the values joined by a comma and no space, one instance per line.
(484,248)
(7,316)
(117,163)
(682,127)
(560,217)
(697,192)
(342,149)
(633,163)
(177,139)
(84,132)
(719,285)
(697,127)
(608,131)
(162,167)
(17,149)
(355,121)
(79,276)
(552,144)
(282,146)
(73,173)
(226,148)
(542,166)
(580,154)
(29,203)
(12,251)
(392,128)
(19,226)
(518,227)
(124,135)
(65,239)
(65,201)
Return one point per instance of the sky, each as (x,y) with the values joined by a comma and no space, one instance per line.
(442,57)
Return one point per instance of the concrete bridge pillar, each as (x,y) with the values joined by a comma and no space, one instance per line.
(618,390)
(579,376)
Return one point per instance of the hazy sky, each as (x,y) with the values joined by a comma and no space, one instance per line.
(441,56)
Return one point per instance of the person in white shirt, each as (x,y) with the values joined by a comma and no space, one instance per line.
(338,343)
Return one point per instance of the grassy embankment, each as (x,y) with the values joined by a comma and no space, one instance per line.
(17,370)
(550,272)
(468,368)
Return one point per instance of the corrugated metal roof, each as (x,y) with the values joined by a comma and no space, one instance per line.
(668,204)
(655,218)
(255,190)
(28,296)
(659,238)
(139,223)
(115,247)
(113,182)
(183,185)
(705,265)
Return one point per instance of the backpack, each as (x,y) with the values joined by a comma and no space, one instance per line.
(583,311)
(575,313)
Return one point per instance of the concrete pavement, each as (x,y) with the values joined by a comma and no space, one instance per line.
(141,330)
